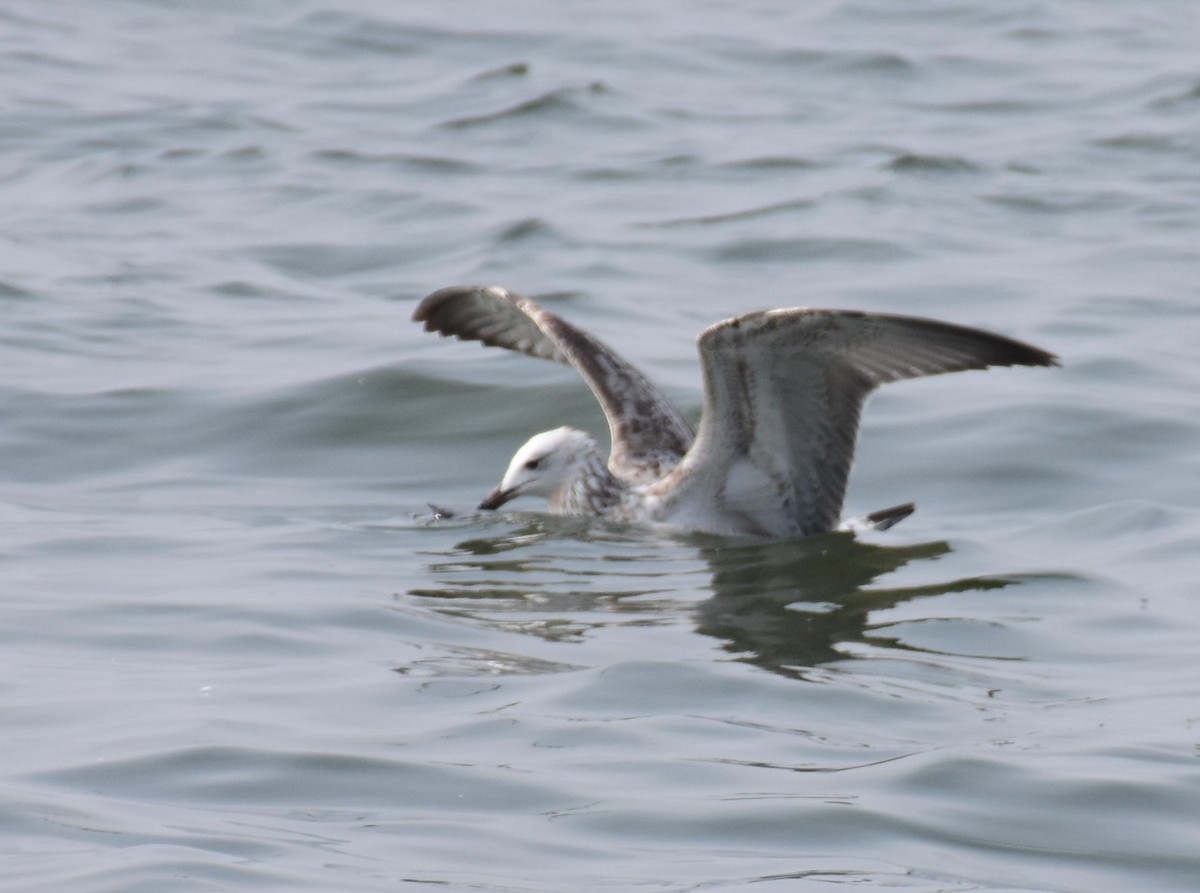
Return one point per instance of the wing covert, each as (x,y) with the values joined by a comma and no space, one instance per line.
(649,436)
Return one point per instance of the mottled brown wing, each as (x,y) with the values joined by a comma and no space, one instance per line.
(649,436)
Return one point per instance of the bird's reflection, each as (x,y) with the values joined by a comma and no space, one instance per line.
(784,606)
(788,606)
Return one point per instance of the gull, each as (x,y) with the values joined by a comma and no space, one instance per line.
(783,390)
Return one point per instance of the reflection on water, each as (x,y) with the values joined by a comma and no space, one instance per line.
(782,606)
(553,577)
(787,606)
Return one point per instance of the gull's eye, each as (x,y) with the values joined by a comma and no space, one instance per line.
(532,464)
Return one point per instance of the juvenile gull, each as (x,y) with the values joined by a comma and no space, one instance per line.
(783,390)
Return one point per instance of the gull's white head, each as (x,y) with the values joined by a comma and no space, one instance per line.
(545,466)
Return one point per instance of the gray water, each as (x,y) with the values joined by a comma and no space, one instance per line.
(238,652)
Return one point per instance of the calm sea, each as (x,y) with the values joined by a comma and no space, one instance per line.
(237,653)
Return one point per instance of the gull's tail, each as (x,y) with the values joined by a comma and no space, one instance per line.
(880,520)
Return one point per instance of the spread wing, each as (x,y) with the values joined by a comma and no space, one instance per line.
(649,436)
(783,390)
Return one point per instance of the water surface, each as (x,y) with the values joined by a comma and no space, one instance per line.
(241,654)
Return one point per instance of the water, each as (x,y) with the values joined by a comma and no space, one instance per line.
(239,654)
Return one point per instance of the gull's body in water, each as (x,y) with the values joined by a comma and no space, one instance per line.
(782,394)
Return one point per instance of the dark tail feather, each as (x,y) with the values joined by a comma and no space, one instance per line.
(885,518)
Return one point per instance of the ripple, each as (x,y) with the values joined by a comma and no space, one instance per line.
(811,249)
(932,164)
(530,229)
(512,70)
(323,259)
(468,662)
(881,62)
(732,216)
(280,778)
(772,163)
(10,292)
(1060,203)
(432,164)
(552,104)
(1146,141)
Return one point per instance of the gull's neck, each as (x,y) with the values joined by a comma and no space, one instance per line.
(593,490)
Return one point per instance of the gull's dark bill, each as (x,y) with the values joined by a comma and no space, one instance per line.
(497,498)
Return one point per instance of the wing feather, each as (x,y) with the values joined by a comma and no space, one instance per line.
(649,435)
(784,390)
